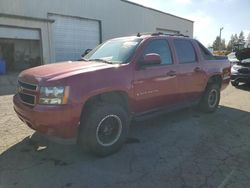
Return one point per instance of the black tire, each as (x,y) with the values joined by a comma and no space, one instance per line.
(235,83)
(103,129)
(211,98)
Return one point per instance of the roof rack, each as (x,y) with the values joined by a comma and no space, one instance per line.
(160,33)
(147,33)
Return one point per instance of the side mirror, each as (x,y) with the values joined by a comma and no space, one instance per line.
(86,52)
(151,59)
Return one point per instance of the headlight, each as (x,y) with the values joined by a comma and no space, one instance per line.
(54,95)
(235,68)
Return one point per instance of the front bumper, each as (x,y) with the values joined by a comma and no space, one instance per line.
(245,78)
(225,82)
(61,121)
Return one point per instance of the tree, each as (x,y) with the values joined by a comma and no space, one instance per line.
(216,43)
(230,44)
(219,44)
(248,41)
(234,41)
(237,43)
(241,37)
(223,44)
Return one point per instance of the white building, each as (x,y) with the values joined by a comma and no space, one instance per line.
(34,32)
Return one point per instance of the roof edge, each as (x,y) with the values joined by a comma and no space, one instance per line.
(142,6)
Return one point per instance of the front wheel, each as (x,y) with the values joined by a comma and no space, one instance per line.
(104,129)
(211,98)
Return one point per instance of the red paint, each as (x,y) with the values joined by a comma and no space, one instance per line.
(147,88)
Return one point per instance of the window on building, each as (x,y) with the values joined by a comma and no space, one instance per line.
(185,51)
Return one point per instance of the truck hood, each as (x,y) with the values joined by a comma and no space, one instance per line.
(62,70)
(243,54)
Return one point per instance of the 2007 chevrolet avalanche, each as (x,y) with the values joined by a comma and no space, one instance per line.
(95,98)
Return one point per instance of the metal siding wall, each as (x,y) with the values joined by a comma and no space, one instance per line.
(118,18)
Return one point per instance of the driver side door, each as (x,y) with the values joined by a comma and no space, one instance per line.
(155,86)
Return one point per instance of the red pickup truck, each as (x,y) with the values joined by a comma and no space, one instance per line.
(95,98)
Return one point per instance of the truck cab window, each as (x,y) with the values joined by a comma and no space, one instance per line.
(206,54)
(160,47)
(185,51)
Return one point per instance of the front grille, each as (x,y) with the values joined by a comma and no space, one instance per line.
(28,99)
(27,86)
(244,71)
(27,92)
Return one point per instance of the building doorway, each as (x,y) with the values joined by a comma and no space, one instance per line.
(20,54)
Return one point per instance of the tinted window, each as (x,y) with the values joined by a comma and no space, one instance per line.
(185,51)
(160,47)
(206,54)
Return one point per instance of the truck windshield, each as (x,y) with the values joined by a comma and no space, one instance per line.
(115,51)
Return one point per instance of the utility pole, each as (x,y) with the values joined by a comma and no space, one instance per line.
(220,37)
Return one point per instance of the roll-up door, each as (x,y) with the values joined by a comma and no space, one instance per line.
(20,48)
(72,36)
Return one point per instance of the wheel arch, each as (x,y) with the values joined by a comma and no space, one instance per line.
(112,97)
(215,79)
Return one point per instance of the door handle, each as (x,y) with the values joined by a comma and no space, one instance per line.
(171,73)
(197,69)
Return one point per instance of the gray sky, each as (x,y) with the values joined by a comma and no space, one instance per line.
(209,16)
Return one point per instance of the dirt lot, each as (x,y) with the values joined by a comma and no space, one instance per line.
(183,149)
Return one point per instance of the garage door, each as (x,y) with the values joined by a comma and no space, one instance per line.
(20,48)
(72,36)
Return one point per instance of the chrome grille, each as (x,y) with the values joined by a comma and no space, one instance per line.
(244,71)
(26,92)
(27,86)
(28,99)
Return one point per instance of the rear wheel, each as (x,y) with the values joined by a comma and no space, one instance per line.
(104,129)
(211,98)
(234,83)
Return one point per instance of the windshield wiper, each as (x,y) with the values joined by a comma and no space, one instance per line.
(101,60)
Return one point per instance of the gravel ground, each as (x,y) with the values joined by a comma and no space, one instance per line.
(183,149)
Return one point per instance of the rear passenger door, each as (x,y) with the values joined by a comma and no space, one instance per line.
(155,86)
(191,77)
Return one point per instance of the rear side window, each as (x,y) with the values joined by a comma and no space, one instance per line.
(206,54)
(185,51)
(160,47)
